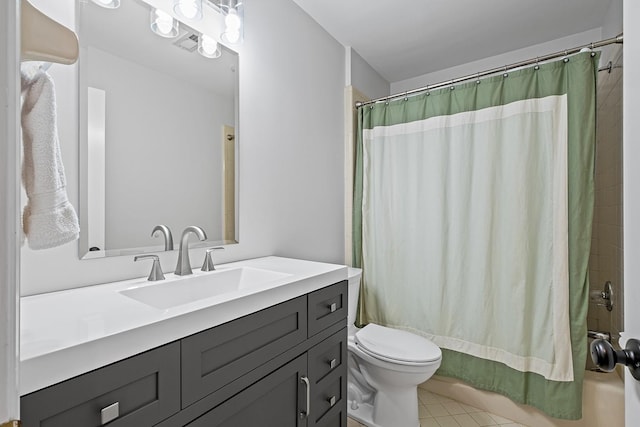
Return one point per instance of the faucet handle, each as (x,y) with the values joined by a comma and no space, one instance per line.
(207,265)
(156,269)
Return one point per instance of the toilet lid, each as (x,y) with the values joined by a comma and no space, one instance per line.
(395,344)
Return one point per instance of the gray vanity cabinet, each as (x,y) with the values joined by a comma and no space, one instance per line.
(284,366)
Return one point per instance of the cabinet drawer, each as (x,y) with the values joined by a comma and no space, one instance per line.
(327,306)
(217,356)
(141,390)
(329,395)
(328,356)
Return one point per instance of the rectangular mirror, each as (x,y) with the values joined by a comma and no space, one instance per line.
(158,141)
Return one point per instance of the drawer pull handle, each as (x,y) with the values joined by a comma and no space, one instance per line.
(332,401)
(307,409)
(110,413)
(333,307)
(333,363)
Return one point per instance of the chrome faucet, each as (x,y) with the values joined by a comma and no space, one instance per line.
(168,238)
(184,264)
(156,269)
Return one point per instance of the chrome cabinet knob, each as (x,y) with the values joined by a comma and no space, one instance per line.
(606,357)
(109,413)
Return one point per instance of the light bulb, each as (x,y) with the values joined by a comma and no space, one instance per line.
(163,24)
(108,4)
(232,36)
(209,45)
(232,21)
(188,9)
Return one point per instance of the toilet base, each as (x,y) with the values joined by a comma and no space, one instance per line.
(363,413)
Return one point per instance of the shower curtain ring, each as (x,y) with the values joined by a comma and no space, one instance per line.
(478,78)
(405,96)
(452,87)
(505,72)
(537,66)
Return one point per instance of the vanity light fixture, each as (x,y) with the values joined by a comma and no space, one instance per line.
(163,24)
(208,47)
(107,4)
(233,16)
(189,10)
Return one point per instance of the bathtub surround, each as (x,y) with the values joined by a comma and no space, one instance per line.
(502,280)
(607,252)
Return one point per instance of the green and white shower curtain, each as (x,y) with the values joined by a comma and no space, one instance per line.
(472,223)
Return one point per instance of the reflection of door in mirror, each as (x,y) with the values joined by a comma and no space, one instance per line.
(229,168)
(153,115)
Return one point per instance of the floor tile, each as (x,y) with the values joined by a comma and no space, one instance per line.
(469,409)
(500,420)
(437,410)
(429,422)
(483,418)
(427,397)
(423,412)
(465,420)
(447,422)
(454,408)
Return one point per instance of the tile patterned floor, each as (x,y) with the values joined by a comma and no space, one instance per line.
(440,411)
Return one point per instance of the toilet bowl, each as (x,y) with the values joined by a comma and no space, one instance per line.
(385,367)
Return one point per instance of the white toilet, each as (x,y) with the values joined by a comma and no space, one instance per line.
(385,368)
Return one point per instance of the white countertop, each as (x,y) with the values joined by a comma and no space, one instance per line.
(67,333)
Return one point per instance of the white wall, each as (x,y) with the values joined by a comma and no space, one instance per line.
(498,60)
(364,78)
(290,147)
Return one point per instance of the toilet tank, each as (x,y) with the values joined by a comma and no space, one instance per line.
(354,275)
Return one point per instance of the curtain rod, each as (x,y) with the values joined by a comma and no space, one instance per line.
(504,69)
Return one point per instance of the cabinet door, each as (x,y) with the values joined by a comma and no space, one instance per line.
(277,400)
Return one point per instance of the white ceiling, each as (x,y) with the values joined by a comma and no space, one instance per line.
(409,38)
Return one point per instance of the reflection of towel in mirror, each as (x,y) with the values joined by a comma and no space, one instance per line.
(48,219)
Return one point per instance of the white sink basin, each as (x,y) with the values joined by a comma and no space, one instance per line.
(188,289)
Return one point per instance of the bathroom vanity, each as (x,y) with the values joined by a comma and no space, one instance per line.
(282,364)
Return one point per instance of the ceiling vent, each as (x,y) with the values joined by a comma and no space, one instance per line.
(188,42)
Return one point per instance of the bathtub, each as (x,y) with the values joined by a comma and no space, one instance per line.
(602,402)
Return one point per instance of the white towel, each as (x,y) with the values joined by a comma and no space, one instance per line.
(48,219)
